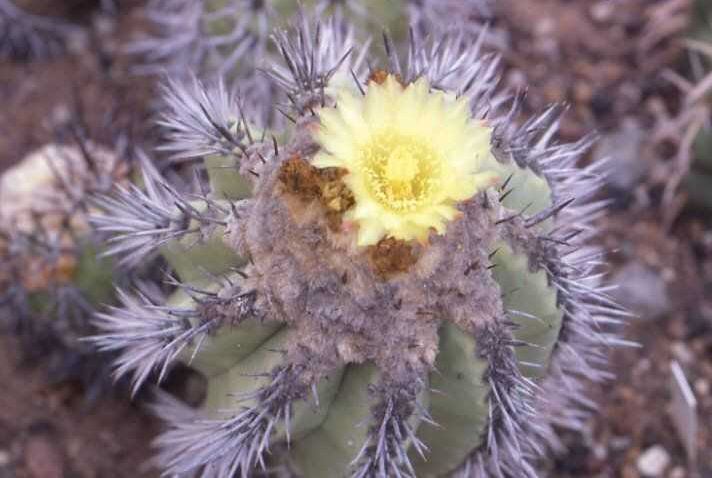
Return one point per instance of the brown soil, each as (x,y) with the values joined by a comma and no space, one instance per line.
(48,431)
(92,86)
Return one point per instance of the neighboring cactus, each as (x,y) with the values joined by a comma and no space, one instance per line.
(469,16)
(394,285)
(699,180)
(31,35)
(50,277)
(230,39)
(698,183)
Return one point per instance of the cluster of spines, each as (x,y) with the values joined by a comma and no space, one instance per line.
(515,432)
(147,337)
(185,39)
(385,453)
(25,35)
(142,220)
(204,119)
(238,443)
(181,41)
(574,268)
(311,58)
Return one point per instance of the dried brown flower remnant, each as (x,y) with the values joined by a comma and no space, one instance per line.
(391,256)
(309,183)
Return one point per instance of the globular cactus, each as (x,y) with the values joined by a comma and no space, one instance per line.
(51,280)
(396,284)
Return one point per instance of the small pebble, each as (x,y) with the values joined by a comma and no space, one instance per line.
(642,291)
(702,387)
(653,461)
(682,352)
(602,11)
(677,472)
(43,458)
(545,27)
(5,458)
(625,145)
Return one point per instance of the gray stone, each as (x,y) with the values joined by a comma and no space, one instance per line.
(642,290)
(624,146)
(653,461)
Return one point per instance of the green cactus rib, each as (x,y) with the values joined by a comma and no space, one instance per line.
(194,259)
(328,450)
(699,179)
(532,305)
(459,406)
(253,373)
(522,188)
(218,352)
(225,180)
(382,16)
(94,276)
(698,190)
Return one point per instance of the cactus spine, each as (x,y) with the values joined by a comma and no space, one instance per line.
(354,316)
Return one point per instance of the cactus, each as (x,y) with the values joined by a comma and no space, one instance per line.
(41,29)
(397,283)
(31,35)
(699,178)
(230,39)
(469,16)
(51,279)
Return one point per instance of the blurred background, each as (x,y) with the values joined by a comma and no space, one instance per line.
(638,72)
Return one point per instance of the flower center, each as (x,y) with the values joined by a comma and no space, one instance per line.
(399,166)
(402,172)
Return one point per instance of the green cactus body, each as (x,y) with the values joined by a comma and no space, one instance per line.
(391,298)
(92,278)
(530,293)
(225,181)
(459,408)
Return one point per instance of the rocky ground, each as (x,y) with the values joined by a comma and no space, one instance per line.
(48,430)
(612,61)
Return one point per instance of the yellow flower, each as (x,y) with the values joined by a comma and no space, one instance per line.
(411,155)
